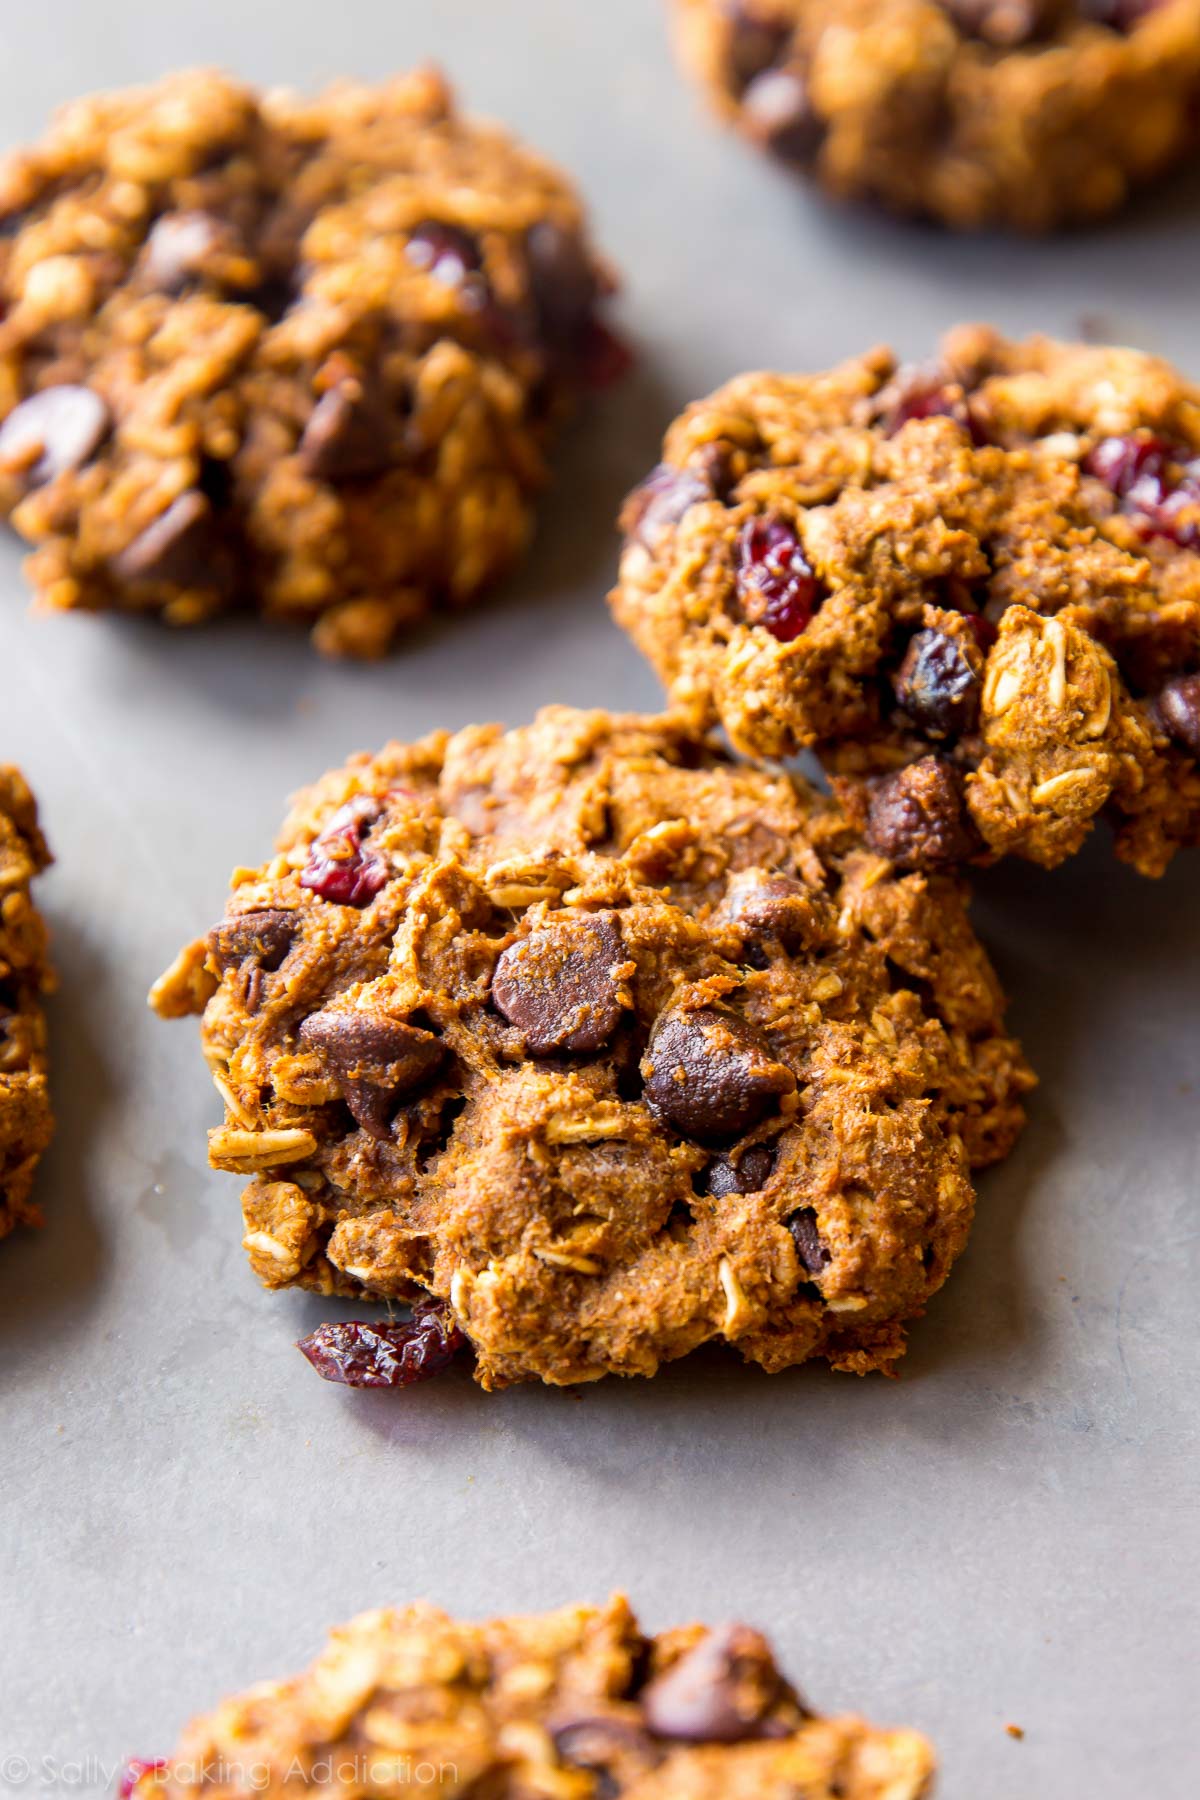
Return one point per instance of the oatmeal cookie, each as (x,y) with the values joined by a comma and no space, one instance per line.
(307,355)
(25,1121)
(579,1704)
(976,582)
(1028,114)
(609,1045)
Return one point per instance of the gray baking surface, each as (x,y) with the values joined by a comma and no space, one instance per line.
(1008,1533)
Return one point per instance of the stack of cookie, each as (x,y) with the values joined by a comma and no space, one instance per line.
(592,1041)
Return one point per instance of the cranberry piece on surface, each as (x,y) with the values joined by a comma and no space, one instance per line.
(936,685)
(338,869)
(358,1354)
(775,583)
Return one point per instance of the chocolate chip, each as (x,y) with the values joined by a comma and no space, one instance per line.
(182,548)
(748,1175)
(777,108)
(719,1692)
(812,1253)
(562,280)
(377,1059)
(612,1748)
(1178,707)
(179,246)
(772,909)
(58,429)
(711,1075)
(937,686)
(557,985)
(754,44)
(447,252)
(918,817)
(349,435)
(661,501)
(266,937)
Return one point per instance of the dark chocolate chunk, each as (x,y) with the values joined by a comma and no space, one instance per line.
(711,1075)
(378,1060)
(557,985)
(1179,709)
(936,685)
(58,429)
(266,937)
(719,1692)
(182,548)
(918,817)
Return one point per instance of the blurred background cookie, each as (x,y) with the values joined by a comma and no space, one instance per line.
(1022,113)
(301,355)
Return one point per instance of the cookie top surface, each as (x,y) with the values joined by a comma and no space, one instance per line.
(987,566)
(25,1120)
(1022,113)
(612,1045)
(300,354)
(576,1703)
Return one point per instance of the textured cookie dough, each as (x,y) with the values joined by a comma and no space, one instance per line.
(976,579)
(1021,113)
(25,1121)
(306,355)
(571,1705)
(611,1045)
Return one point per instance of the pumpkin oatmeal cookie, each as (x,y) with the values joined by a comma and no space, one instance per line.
(307,355)
(597,1047)
(1028,114)
(972,587)
(25,1121)
(578,1704)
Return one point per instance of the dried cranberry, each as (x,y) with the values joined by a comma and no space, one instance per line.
(338,869)
(1126,464)
(135,1771)
(361,1355)
(928,394)
(776,586)
(1155,480)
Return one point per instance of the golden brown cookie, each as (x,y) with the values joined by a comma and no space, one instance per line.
(610,1046)
(977,581)
(577,1704)
(303,355)
(1021,113)
(25,1121)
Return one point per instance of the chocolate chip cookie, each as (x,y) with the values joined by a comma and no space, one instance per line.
(606,1044)
(25,1121)
(305,355)
(579,1704)
(972,586)
(1021,113)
